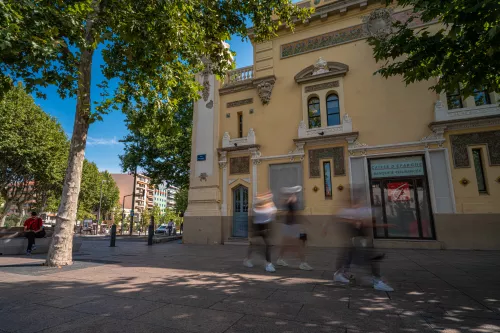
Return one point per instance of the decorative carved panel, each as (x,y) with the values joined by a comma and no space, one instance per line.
(315,155)
(322,86)
(342,36)
(239,165)
(460,142)
(239,103)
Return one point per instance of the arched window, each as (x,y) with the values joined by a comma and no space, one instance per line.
(332,110)
(314,113)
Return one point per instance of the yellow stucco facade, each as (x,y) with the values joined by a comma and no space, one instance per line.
(254,132)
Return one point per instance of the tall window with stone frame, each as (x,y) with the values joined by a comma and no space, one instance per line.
(481,97)
(455,99)
(332,110)
(314,113)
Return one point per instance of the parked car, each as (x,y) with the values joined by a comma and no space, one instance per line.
(163,229)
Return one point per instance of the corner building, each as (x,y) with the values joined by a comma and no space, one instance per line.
(310,112)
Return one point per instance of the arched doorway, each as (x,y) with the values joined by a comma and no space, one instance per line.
(240,211)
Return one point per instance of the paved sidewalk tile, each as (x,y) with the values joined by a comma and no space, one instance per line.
(253,324)
(266,308)
(33,318)
(107,325)
(116,307)
(191,318)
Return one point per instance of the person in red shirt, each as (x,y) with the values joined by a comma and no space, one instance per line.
(33,228)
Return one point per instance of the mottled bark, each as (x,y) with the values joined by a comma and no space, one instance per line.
(61,247)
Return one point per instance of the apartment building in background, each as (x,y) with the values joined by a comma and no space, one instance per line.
(164,196)
(144,193)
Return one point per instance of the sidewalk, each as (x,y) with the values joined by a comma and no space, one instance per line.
(178,288)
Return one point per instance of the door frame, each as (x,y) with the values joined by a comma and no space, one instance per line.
(233,208)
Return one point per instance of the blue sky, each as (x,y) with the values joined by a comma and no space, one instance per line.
(103,146)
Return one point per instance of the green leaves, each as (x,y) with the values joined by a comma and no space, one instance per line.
(465,51)
(34,151)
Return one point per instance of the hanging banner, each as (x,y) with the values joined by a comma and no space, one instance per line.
(397,167)
(398,191)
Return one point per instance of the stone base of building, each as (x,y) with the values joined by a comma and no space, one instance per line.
(468,231)
(453,231)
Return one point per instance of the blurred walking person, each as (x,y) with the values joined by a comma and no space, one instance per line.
(291,237)
(357,220)
(264,212)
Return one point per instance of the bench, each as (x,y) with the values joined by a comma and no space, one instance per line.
(12,241)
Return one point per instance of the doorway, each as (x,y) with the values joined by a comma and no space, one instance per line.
(240,211)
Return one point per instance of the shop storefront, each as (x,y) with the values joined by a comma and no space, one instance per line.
(400,198)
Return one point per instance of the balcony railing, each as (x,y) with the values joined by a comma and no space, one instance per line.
(237,142)
(343,128)
(239,75)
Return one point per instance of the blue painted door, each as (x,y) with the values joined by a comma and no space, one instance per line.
(240,212)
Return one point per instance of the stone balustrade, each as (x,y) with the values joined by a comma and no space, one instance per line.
(441,113)
(239,75)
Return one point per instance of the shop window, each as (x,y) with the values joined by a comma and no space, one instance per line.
(333,110)
(454,100)
(327,172)
(478,165)
(481,97)
(314,112)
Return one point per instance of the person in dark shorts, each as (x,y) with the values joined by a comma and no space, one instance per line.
(291,240)
(33,228)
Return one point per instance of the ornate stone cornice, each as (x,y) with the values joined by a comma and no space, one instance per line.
(237,87)
(239,102)
(458,124)
(341,137)
(320,72)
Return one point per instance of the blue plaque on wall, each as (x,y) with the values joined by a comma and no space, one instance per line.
(201,157)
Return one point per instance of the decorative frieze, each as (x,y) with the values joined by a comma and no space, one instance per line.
(377,24)
(239,165)
(315,155)
(239,103)
(460,142)
(321,86)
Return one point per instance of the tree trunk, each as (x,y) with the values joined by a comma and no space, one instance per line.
(3,214)
(61,247)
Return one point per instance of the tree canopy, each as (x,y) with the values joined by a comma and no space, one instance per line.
(464,51)
(149,48)
(33,150)
(90,193)
(181,200)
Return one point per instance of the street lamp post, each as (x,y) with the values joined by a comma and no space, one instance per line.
(100,202)
(123,211)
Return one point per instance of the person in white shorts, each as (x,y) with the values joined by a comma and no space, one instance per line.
(264,213)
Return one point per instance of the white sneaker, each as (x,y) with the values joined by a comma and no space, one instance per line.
(281,262)
(270,268)
(33,248)
(340,277)
(247,263)
(381,286)
(305,266)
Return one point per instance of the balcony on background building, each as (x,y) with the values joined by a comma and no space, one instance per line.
(239,75)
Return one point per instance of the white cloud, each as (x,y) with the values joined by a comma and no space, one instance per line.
(91,141)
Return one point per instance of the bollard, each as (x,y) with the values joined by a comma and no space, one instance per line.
(151,231)
(113,236)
